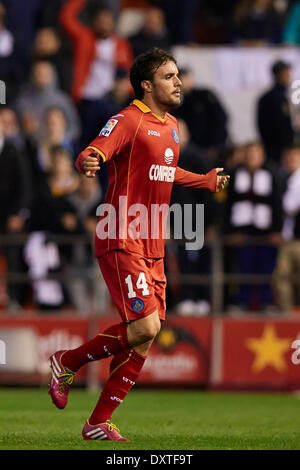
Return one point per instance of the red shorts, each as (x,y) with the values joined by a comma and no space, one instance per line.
(137,285)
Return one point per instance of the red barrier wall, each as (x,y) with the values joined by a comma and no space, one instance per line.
(250,353)
(31,339)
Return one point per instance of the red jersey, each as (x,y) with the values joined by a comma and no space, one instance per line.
(142,152)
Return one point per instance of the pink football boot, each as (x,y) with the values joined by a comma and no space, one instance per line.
(102,432)
(61,380)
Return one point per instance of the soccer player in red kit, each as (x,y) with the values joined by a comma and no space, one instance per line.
(141,146)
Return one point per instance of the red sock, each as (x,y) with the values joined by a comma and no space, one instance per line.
(125,368)
(111,341)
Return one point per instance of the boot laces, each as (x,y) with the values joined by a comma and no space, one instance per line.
(112,426)
(68,377)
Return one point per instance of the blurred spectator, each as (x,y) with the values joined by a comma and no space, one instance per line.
(40,94)
(62,178)
(76,201)
(120,96)
(218,9)
(153,34)
(11,71)
(43,260)
(288,261)
(96,113)
(192,157)
(23,22)
(296,125)
(114,6)
(15,200)
(85,201)
(274,115)
(204,114)
(191,300)
(257,23)
(6,38)
(210,22)
(54,133)
(97,51)
(291,32)
(235,156)
(254,209)
(12,131)
(49,14)
(48,210)
(62,181)
(49,47)
(180,17)
(15,191)
(52,214)
(55,127)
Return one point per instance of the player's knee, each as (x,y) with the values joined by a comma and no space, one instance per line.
(151,331)
(144,330)
(148,331)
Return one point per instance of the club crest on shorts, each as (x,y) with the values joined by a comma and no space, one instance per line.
(137,305)
(175,136)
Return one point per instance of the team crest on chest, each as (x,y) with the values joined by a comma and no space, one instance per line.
(175,136)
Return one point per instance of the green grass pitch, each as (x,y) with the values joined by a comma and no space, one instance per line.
(177,420)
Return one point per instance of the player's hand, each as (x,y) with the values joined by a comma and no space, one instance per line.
(221,180)
(91,165)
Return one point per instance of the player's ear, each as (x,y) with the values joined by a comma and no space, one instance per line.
(147,86)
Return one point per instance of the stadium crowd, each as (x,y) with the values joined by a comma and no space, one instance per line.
(65,65)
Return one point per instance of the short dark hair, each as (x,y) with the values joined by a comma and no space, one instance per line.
(278,67)
(145,66)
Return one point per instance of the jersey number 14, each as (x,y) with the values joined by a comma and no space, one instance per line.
(141,283)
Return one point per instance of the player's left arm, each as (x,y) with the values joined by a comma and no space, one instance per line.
(211,180)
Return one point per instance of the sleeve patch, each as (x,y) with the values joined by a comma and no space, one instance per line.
(108,128)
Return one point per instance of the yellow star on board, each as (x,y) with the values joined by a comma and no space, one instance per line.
(269,350)
(167,338)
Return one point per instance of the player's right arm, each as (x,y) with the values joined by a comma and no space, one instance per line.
(114,139)
(88,162)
